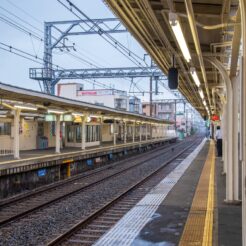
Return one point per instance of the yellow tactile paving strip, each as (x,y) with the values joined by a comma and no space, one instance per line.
(199,225)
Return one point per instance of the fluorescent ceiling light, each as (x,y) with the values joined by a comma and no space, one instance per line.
(77,114)
(29,118)
(32,114)
(56,111)
(173,19)
(3,116)
(27,107)
(194,76)
(201,94)
(4,111)
(95,116)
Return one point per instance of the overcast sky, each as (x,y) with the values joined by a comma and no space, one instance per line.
(14,70)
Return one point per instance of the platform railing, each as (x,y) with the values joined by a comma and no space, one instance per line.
(6,152)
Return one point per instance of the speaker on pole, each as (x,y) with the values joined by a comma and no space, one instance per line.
(173,78)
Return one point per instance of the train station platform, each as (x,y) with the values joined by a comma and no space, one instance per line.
(186,208)
(41,167)
(35,159)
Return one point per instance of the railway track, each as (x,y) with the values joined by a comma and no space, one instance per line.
(20,207)
(92,227)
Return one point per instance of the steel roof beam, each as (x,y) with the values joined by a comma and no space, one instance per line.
(128,72)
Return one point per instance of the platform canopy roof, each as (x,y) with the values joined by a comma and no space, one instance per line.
(211,29)
(12,97)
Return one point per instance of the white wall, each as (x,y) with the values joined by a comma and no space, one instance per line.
(68,90)
(107,100)
(27,136)
(47,133)
(106,133)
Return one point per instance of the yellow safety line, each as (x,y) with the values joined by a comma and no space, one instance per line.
(198,229)
(208,229)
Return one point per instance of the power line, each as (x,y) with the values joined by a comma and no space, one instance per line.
(17,17)
(19,27)
(108,38)
(23,11)
(39,22)
(31,33)
(21,51)
(23,56)
(129,53)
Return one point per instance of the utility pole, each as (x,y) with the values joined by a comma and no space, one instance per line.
(175,114)
(185,115)
(150,95)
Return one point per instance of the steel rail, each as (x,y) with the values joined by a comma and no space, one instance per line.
(59,198)
(89,173)
(63,237)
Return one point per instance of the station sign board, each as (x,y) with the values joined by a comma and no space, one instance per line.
(41,172)
(95,92)
(65,117)
(50,117)
(215,117)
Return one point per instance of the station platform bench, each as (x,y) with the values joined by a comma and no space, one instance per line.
(186,208)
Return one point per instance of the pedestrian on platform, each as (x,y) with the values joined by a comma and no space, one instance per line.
(218,137)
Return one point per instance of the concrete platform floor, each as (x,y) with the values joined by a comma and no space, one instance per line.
(42,155)
(229,217)
(25,154)
(166,226)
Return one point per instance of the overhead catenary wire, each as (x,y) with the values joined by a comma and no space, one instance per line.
(28,56)
(30,33)
(39,38)
(107,37)
(20,19)
(23,56)
(24,11)
(41,23)
(19,27)
(23,53)
(35,35)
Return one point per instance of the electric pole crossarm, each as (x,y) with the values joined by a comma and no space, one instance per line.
(100,26)
(98,21)
(95,73)
(64,34)
(93,32)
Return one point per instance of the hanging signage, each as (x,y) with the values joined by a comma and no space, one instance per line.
(50,117)
(77,119)
(67,161)
(67,117)
(41,172)
(215,118)
(89,162)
